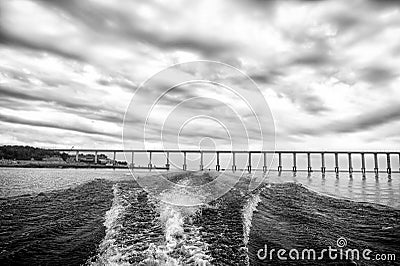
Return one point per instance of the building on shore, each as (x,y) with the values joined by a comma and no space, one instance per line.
(57,159)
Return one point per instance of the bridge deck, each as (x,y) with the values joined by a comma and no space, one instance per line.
(294,154)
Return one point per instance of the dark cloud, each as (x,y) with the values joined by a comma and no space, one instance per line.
(126,84)
(51,98)
(345,21)
(312,50)
(42,46)
(54,124)
(305,99)
(263,78)
(359,123)
(16,104)
(378,75)
(6,92)
(396,51)
(18,100)
(43,138)
(267,7)
(313,59)
(384,115)
(313,104)
(319,49)
(385,3)
(191,103)
(117,23)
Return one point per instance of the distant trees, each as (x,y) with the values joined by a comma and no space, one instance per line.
(16,152)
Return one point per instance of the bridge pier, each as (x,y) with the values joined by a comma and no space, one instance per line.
(279,161)
(95,157)
(77,156)
(350,164)
(363,163)
(336,162)
(233,162)
(217,167)
(294,162)
(201,161)
(150,159)
(388,166)
(309,168)
(133,160)
(376,168)
(167,165)
(184,162)
(265,163)
(114,158)
(323,162)
(249,165)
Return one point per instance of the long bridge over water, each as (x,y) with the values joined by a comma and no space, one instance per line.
(294,154)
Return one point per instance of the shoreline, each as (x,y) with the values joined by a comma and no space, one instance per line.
(59,166)
(80,166)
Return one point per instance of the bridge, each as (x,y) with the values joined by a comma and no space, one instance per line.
(294,154)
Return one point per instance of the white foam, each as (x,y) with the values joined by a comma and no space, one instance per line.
(109,252)
(247,215)
(183,244)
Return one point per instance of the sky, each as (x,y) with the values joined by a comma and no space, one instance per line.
(329,72)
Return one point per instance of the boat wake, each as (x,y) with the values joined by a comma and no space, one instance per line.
(142,230)
(122,224)
(230,230)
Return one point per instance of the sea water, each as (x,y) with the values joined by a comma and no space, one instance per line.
(104,217)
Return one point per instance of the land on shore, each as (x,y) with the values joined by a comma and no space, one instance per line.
(31,157)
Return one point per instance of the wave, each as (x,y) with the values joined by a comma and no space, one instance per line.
(143,231)
(61,227)
(183,244)
(109,251)
(291,216)
(248,210)
(121,224)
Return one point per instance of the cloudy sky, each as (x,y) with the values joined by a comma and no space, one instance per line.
(329,70)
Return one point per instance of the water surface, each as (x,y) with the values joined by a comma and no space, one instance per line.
(103,217)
